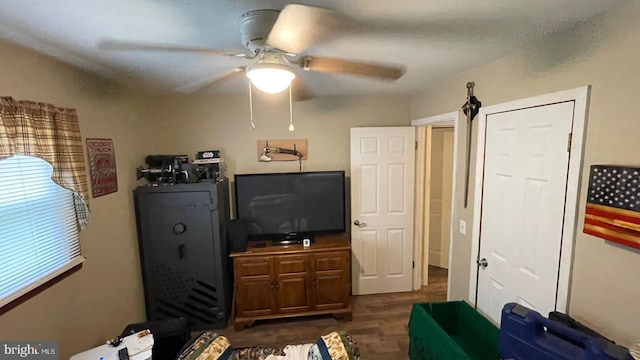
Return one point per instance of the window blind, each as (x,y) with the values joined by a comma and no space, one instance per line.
(38,228)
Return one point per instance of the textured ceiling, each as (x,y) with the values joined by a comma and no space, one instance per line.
(431,38)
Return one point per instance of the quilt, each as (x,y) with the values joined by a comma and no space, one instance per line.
(337,345)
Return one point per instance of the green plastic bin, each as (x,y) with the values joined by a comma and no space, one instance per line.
(451,330)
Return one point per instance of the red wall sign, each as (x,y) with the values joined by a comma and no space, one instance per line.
(102,166)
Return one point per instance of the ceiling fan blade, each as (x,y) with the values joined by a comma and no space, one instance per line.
(339,66)
(299,26)
(202,83)
(300,91)
(132,45)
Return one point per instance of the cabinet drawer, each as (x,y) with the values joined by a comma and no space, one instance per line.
(252,266)
(290,264)
(331,260)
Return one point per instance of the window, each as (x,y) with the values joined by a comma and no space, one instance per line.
(38,227)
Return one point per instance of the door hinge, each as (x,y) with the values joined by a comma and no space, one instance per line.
(416,146)
(569,142)
(413,264)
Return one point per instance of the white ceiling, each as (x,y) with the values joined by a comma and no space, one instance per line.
(431,38)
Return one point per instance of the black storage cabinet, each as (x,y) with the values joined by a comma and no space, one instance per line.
(183,252)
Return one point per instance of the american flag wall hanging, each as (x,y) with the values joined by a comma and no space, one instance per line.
(613,204)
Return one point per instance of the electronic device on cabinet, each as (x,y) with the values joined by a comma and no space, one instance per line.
(171,169)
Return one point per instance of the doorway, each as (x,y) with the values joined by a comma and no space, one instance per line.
(529,158)
(440,193)
(435,189)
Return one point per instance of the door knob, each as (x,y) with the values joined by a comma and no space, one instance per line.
(483,263)
(359,224)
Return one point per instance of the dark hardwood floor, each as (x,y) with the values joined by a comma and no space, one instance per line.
(379,324)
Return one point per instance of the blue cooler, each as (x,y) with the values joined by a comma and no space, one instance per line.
(526,335)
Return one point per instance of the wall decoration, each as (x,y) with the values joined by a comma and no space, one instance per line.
(282,150)
(102,166)
(613,204)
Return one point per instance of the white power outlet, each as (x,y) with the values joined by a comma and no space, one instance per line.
(463,227)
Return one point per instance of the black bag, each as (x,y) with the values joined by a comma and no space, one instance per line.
(169,336)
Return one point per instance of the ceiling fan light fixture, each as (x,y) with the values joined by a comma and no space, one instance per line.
(269,77)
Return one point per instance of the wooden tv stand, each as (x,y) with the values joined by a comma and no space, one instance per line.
(274,282)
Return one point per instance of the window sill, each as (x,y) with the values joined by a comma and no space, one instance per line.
(43,283)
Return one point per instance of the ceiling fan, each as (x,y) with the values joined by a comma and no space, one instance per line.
(276,41)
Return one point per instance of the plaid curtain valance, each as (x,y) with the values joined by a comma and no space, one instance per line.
(52,134)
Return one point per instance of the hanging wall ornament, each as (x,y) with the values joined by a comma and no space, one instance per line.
(471,109)
(282,150)
(613,204)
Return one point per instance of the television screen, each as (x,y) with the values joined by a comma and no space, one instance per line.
(276,204)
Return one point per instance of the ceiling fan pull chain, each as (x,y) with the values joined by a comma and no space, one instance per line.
(253,126)
(291,128)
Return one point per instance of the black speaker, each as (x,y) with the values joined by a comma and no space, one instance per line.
(238,235)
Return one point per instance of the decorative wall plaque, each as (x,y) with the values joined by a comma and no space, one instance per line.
(102,166)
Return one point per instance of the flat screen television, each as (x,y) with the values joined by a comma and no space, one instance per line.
(280,206)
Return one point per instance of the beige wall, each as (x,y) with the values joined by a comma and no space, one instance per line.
(98,301)
(604,53)
(187,124)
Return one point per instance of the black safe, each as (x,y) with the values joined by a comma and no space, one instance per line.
(182,232)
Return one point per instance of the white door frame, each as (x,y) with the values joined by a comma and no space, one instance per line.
(580,96)
(421,244)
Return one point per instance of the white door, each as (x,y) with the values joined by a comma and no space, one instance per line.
(382,176)
(526,161)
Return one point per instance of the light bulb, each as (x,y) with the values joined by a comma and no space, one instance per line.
(270,78)
(291,128)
